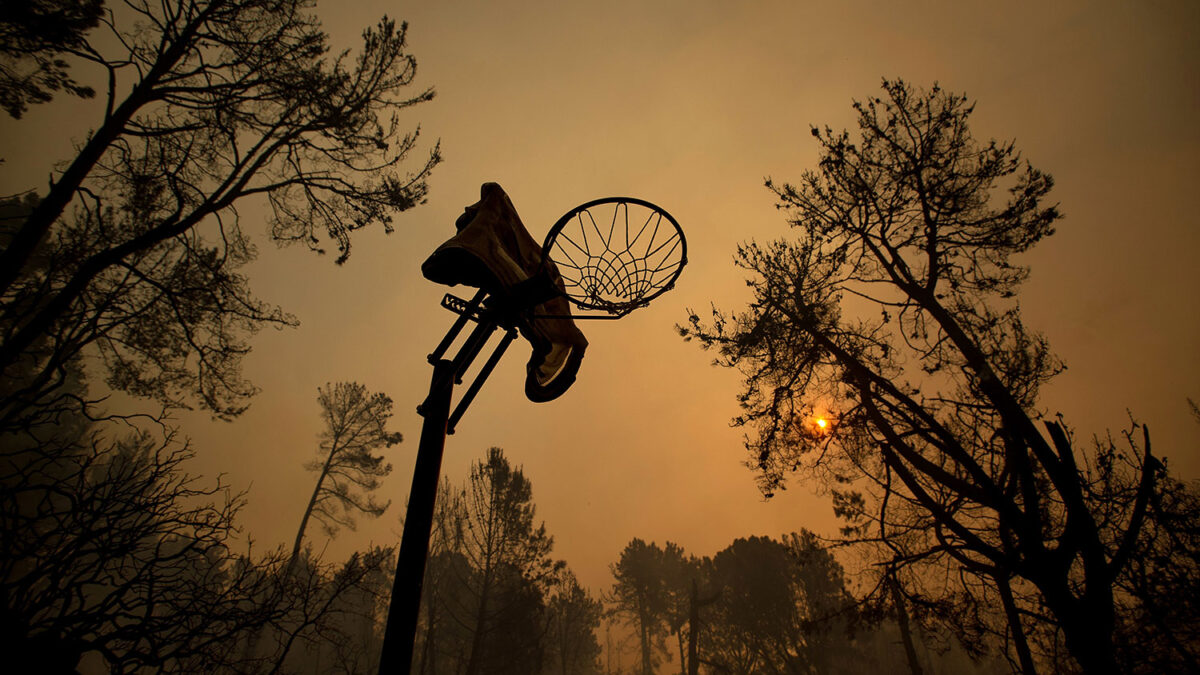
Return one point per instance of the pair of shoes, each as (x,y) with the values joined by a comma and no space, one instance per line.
(492,250)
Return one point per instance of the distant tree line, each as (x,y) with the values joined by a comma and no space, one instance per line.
(764,605)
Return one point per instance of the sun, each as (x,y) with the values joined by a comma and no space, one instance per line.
(822,423)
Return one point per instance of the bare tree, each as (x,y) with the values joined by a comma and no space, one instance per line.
(348,471)
(892,314)
(133,252)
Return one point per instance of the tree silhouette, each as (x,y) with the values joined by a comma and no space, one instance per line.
(779,607)
(642,596)
(493,601)
(892,314)
(756,622)
(355,632)
(492,566)
(133,254)
(681,573)
(573,617)
(827,609)
(347,469)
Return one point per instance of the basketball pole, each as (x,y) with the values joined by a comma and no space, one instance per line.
(395,656)
(404,609)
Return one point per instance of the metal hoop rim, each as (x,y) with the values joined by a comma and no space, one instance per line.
(622,309)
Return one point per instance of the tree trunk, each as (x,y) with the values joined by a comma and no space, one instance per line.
(682,656)
(427,649)
(1087,626)
(311,503)
(647,667)
(1014,625)
(910,649)
(693,630)
(477,637)
(565,651)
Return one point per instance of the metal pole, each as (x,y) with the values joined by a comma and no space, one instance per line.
(472,390)
(396,655)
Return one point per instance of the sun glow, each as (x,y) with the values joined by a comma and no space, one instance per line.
(822,423)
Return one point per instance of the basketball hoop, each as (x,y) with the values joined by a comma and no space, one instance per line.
(610,256)
(616,254)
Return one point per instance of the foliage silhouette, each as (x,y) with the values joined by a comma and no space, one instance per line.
(34,36)
(779,607)
(130,265)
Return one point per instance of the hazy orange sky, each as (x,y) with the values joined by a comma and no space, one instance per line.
(690,105)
